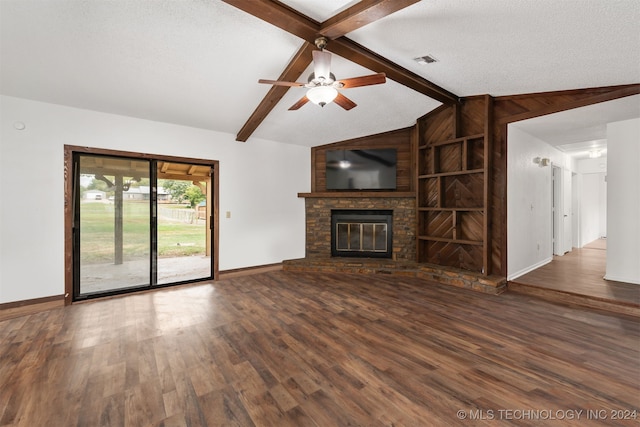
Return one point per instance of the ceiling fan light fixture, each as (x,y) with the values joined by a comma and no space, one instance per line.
(322,95)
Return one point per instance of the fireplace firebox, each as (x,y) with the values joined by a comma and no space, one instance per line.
(362,233)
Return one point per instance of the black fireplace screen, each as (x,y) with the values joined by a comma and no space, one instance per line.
(361,233)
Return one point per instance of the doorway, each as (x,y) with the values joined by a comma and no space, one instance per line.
(137,222)
(556,210)
(562,210)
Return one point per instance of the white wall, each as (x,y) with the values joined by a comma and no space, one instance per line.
(259,182)
(623,200)
(598,165)
(529,198)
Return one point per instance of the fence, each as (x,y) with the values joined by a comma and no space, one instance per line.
(188,216)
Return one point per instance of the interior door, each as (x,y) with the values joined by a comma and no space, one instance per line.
(575,211)
(556,209)
(567,223)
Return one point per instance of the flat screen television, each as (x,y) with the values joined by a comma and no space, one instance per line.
(373,169)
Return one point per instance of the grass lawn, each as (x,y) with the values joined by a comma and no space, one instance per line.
(97,233)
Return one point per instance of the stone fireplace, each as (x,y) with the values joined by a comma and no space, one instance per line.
(400,234)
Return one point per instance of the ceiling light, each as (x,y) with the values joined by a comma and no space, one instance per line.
(423,60)
(344,164)
(322,95)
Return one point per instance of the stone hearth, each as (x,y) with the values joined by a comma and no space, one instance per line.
(429,272)
(318,207)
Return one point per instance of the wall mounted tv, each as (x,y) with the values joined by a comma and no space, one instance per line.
(373,169)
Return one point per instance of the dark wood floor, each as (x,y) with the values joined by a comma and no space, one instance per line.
(316,349)
(581,272)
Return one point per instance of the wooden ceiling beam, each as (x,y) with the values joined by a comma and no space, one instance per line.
(182,177)
(296,67)
(354,52)
(359,15)
(281,16)
(300,25)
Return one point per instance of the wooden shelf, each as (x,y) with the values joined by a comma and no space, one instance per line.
(447,240)
(436,209)
(453,158)
(452,141)
(454,173)
(359,194)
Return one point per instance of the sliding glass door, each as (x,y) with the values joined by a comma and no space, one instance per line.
(114,243)
(184,231)
(139,223)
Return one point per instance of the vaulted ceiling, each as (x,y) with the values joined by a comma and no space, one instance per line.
(197,63)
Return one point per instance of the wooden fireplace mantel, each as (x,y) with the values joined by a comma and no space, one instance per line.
(358,194)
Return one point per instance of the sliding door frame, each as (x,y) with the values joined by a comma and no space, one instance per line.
(69,206)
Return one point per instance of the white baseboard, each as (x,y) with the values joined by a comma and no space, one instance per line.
(528,269)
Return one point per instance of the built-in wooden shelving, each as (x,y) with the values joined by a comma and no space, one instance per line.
(452,190)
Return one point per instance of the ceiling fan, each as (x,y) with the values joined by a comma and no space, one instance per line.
(322,84)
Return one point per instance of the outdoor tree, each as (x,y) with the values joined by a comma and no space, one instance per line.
(176,189)
(95,183)
(194,195)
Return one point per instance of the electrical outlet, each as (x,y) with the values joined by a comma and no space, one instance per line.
(228,214)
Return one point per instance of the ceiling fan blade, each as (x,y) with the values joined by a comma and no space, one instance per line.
(372,79)
(299,104)
(344,102)
(321,64)
(280,83)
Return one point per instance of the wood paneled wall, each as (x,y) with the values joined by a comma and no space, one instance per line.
(401,139)
(473,116)
(469,118)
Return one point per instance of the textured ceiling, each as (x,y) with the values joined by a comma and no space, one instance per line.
(197,63)
(581,130)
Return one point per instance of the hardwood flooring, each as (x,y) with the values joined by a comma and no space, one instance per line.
(317,349)
(581,272)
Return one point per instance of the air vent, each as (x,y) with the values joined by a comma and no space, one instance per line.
(427,59)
